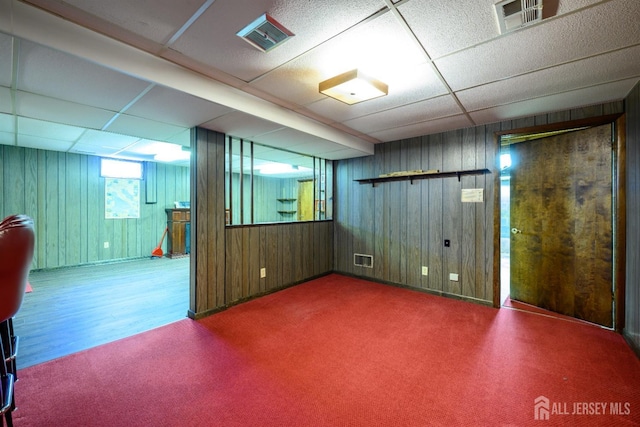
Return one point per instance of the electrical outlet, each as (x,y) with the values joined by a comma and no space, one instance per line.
(263,273)
(106,245)
(425,271)
(453,277)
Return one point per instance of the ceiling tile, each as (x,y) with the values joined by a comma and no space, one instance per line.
(56,74)
(156,20)
(558,102)
(212,38)
(143,128)
(419,83)
(6,60)
(39,128)
(423,128)
(39,142)
(556,41)
(299,142)
(174,107)
(6,105)
(7,138)
(380,48)
(407,114)
(574,75)
(7,123)
(106,140)
(241,125)
(57,111)
(183,138)
(91,150)
(444,27)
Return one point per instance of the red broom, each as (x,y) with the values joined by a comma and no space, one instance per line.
(157,252)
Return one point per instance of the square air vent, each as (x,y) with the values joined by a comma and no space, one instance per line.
(265,33)
(361,260)
(514,14)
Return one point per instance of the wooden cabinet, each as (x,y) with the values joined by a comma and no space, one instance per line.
(179,235)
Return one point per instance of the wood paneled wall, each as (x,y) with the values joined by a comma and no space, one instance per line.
(65,196)
(290,253)
(226,261)
(632,313)
(404,225)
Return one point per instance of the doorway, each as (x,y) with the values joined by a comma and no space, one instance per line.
(305,200)
(557,222)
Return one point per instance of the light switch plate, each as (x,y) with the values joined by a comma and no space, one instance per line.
(453,277)
(425,271)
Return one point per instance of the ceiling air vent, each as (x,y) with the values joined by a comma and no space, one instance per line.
(265,33)
(514,14)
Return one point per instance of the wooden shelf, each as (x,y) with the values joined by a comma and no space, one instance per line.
(413,177)
(287,212)
(287,200)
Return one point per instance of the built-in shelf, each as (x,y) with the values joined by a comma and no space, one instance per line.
(286,212)
(425,175)
(287,200)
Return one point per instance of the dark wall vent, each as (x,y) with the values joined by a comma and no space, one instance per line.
(361,260)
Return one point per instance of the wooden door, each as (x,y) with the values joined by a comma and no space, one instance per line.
(305,200)
(562,224)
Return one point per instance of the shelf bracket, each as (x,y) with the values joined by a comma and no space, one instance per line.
(458,174)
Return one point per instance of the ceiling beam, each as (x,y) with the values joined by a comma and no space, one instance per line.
(30,23)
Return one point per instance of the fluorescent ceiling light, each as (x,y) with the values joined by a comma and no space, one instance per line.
(165,152)
(280,168)
(353,87)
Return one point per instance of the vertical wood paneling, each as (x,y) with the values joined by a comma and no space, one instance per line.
(380,255)
(411,222)
(632,306)
(435,239)
(452,160)
(413,254)
(290,253)
(393,213)
(64,194)
(425,201)
(468,237)
(401,214)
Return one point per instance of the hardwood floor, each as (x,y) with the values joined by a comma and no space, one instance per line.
(72,309)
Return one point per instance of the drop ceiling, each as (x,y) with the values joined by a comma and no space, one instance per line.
(112,78)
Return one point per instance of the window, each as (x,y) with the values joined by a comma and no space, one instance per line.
(111,168)
(265,184)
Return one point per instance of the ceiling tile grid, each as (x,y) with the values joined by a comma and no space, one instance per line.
(559,40)
(6,60)
(156,20)
(55,74)
(437,58)
(574,75)
(212,37)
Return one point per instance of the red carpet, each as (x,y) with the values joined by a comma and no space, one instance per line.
(339,351)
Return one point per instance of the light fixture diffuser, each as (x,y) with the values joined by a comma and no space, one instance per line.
(353,87)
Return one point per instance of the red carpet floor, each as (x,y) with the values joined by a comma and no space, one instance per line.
(339,351)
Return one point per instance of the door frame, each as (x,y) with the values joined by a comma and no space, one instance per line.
(619,209)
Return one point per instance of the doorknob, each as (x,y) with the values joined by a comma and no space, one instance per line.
(515,230)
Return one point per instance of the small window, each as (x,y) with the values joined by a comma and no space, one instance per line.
(110,168)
